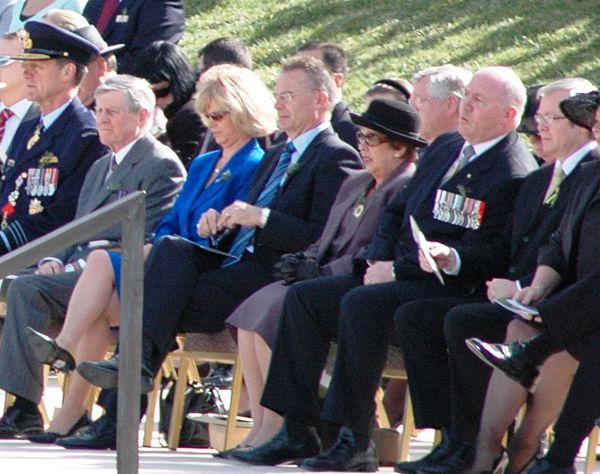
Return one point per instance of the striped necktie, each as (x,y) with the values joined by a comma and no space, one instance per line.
(111,166)
(553,189)
(4,116)
(468,152)
(265,197)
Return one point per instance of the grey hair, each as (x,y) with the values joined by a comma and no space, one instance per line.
(316,74)
(574,85)
(445,80)
(137,91)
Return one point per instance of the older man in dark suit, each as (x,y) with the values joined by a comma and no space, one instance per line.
(49,156)
(361,317)
(137,162)
(447,382)
(188,289)
(136,23)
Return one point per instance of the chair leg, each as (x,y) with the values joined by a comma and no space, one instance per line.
(382,418)
(178,400)
(408,427)
(590,458)
(151,410)
(236,391)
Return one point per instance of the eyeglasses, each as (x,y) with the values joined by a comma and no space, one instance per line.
(162,92)
(371,139)
(287,96)
(5,61)
(215,116)
(547,119)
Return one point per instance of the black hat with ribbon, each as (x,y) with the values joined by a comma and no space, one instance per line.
(581,108)
(394,119)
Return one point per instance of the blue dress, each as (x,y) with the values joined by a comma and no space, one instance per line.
(232,183)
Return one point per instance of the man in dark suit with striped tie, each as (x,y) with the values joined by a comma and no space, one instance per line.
(189,289)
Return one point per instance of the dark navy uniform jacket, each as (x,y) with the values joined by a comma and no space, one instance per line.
(46,179)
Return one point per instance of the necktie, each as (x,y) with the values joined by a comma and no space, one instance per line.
(554,187)
(267,194)
(111,167)
(4,116)
(468,152)
(108,10)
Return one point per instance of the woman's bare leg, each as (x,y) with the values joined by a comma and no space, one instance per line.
(503,400)
(252,379)
(543,408)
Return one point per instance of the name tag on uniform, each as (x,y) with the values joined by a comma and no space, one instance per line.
(458,209)
(123,18)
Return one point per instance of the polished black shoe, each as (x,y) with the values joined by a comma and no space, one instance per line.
(105,374)
(100,434)
(542,466)
(221,376)
(16,423)
(50,437)
(512,359)
(458,461)
(283,447)
(47,351)
(438,454)
(344,455)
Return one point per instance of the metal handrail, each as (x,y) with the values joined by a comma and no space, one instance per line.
(130,213)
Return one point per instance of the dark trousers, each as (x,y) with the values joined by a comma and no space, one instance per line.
(363,333)
(186,291)
(469,376)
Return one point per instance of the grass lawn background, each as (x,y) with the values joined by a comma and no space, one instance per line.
(542,40)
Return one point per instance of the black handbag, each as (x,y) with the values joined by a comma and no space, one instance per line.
(198,398)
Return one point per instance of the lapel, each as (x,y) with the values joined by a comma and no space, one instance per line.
(339,212)
(121,9)
(267,166)
(110,188)
(305,159)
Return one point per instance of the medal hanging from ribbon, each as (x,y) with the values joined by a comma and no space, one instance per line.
(9,208)
(458,209)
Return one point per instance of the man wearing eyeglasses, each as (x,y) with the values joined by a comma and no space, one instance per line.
(14,106)
(448,383)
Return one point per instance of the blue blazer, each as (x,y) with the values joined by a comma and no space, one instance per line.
(231,183)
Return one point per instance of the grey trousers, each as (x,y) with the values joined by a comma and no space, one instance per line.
(36,301)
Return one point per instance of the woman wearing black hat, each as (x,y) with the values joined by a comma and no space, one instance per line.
(387,141)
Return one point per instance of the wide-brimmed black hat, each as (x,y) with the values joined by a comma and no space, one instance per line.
(581,108)
(394,119)
(43,41)
(528,124)
(91,33)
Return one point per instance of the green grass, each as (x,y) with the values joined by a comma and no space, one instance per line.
(542,40)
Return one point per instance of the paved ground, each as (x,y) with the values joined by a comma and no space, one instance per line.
(17,456)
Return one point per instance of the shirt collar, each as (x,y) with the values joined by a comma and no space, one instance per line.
(122,153)
(481,148)
(301,142)
(571,162)
(49,119)
(19,109)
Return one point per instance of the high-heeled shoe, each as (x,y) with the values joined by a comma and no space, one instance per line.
(50,437)
(47,351)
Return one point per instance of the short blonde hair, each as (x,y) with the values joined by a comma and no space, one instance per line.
(237,90)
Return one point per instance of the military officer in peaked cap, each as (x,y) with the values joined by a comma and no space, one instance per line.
(50,155)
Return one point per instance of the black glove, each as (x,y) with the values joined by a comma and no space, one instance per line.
(295,267)
(285,269)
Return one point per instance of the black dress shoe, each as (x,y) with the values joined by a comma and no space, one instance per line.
(438,454)
(47,351)
(16,423)
(50,437)
(100,434)
(512,359)
(344,455)
(105,374)
(458,461)
(283,447)
(542,466)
